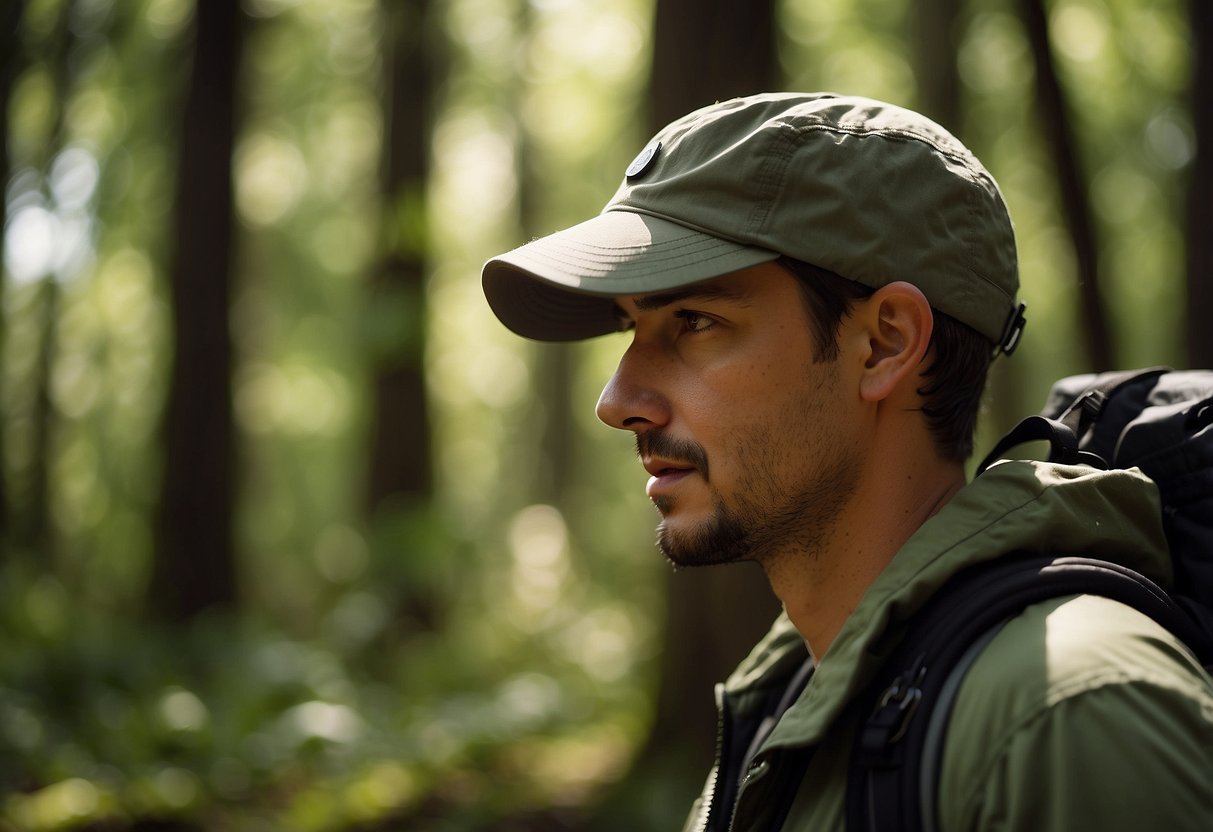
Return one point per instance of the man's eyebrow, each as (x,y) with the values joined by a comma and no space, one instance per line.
(659,300)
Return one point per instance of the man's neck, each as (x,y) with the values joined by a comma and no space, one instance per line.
(820,589)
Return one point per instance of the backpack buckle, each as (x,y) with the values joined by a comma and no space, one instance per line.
(904,698)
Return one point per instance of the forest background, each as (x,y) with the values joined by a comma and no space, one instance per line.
(294,535)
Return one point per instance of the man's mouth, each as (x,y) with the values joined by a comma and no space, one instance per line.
(664,476)
(659,468)
(659,452)
(668,461)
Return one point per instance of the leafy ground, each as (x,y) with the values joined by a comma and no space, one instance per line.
(225,725)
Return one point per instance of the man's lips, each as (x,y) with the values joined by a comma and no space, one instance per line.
(664,474)
(658,467)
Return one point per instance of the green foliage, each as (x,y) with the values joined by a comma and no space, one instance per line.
(226,725)
(483,658)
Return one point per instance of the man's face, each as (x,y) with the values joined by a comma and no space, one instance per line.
(750,445)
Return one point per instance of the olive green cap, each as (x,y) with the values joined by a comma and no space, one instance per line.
(873,192)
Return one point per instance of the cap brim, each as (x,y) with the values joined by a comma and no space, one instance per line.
(562,287)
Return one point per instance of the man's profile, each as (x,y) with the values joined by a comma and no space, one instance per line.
(815,286)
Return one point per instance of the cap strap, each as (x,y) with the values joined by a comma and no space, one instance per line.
(1012,331)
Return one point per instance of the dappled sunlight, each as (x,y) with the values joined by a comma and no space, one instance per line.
(1169,138)
(52,236)
(30,245)
(298,400)
(341,554)
(603,40)
(181,710)
(270,178)
(475,180)
(604,642)
(322,720)
(994,58)
(1080,31)
(57,806)
(481,647)
(539,542)
(166,18)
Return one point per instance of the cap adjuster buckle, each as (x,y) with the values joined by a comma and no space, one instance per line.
(1012,331)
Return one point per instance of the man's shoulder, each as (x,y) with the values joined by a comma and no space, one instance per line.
(1065,647)
(1083,691)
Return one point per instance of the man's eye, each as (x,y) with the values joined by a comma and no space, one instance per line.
(694,321)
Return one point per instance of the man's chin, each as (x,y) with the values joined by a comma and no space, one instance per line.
(708,544)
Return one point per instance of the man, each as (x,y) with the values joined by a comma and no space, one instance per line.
(815,286)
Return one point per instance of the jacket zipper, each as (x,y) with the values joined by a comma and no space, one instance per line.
(712,793)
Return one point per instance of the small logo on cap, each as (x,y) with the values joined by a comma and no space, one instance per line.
(643,161)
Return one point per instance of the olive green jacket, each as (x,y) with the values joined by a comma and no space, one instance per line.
(1081,714)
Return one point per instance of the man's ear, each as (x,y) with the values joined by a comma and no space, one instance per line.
(897,323)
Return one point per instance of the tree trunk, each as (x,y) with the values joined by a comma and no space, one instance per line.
(195,563)
(400,468)
(32,526)
(704,52)
(10,67)
(935,45)
(1200,192)
(1055,118)
(552,406)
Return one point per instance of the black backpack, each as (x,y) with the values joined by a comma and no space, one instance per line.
(1158,420)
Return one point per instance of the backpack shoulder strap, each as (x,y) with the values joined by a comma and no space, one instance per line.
(889,771)
(1065,432)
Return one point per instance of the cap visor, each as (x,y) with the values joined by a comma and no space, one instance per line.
(562,287)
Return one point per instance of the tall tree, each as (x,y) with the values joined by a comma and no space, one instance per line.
(400,473)
(702,53)
(935,44)
(1057,122)
(10,66)
(195,562)
(705,52)
(33,525)
(1200,191)
(552,406)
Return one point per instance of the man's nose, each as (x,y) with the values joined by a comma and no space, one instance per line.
(631,399)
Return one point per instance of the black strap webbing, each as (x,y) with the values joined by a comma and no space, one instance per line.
(885,780)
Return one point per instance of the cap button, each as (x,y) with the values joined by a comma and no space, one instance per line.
(643,161)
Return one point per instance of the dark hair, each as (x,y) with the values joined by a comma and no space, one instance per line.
(959,355)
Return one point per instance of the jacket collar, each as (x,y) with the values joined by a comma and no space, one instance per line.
(1014,506)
